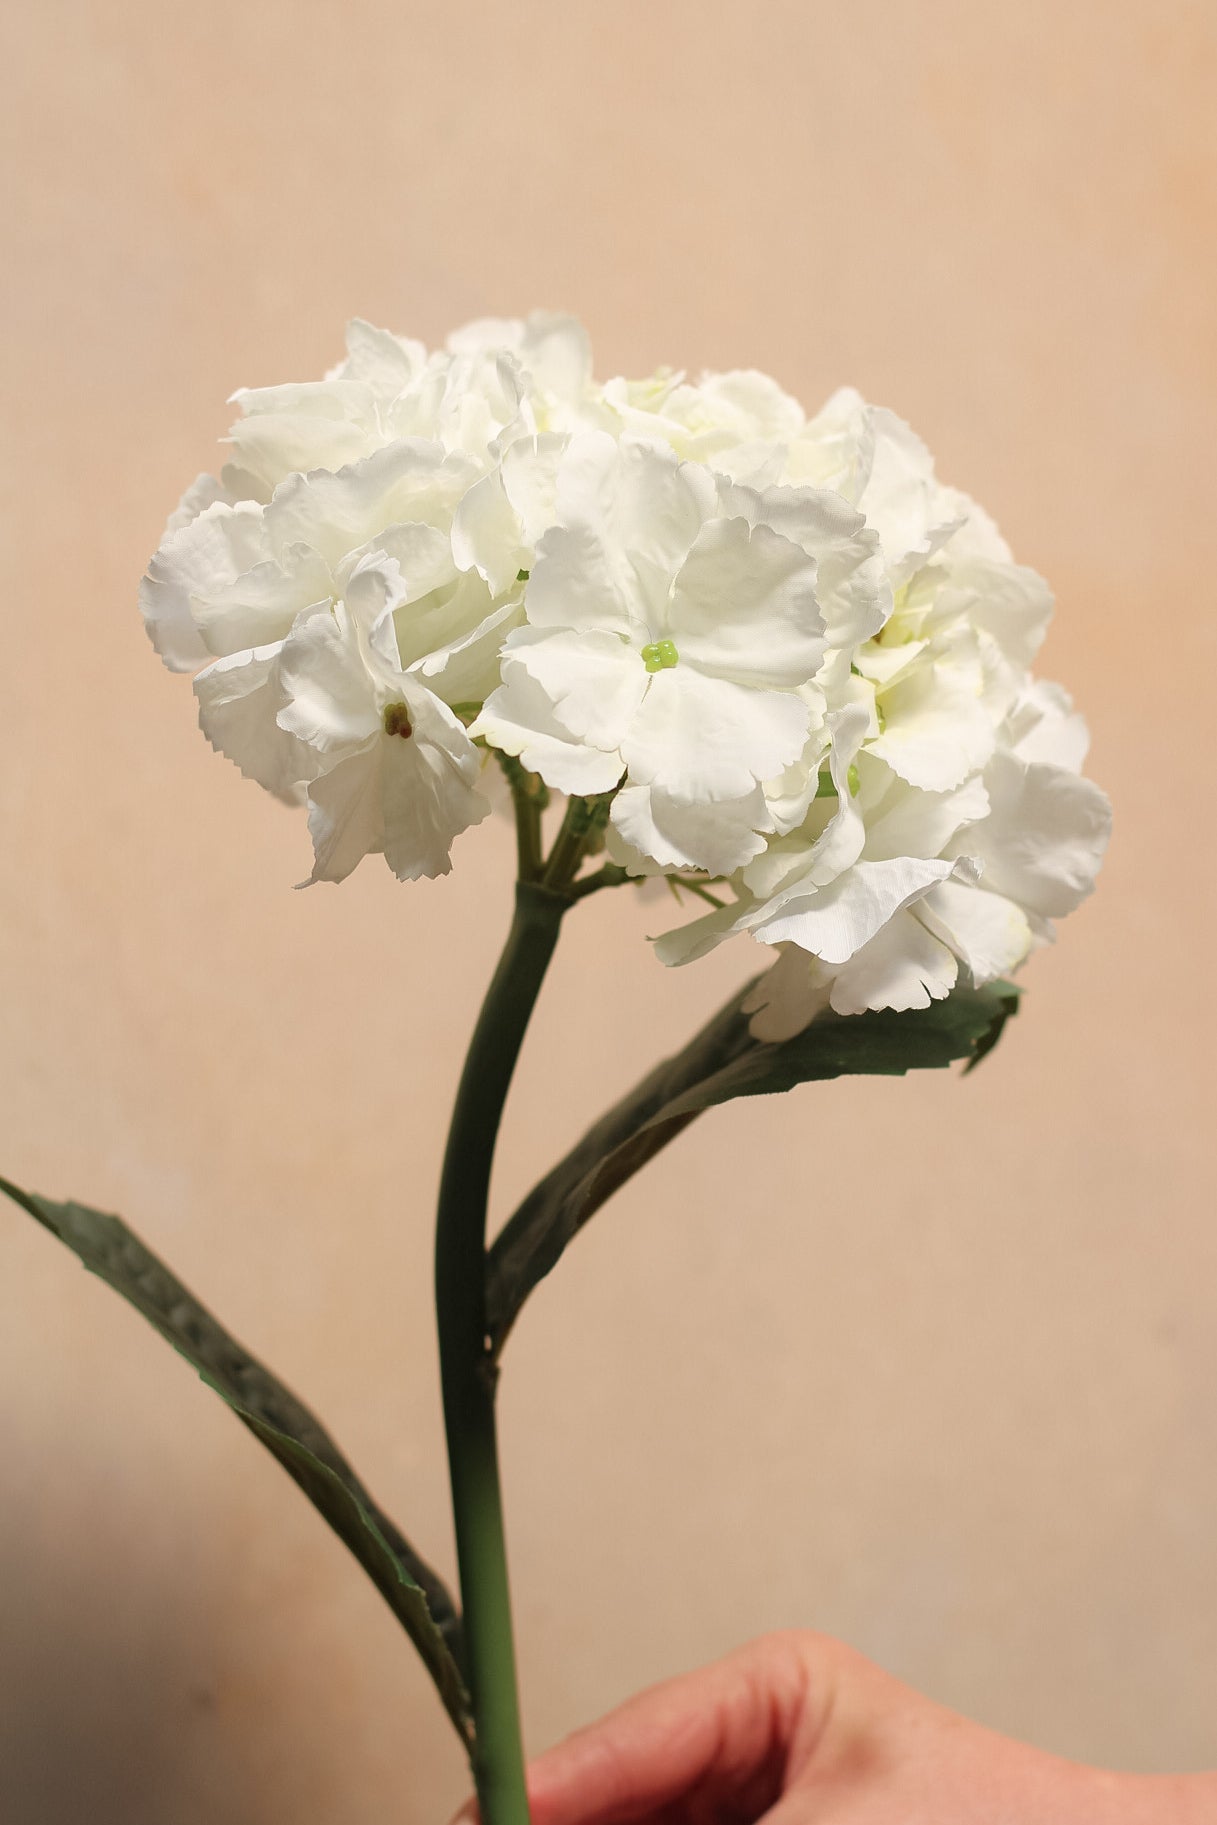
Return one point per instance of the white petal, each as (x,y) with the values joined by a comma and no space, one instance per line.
(261,605)
(744,607)
(902,500)
(408,481)
(936,728)
(753,403)
(902,820)
(815,519)
(789,996)
(329,693)
(796,865)
(577,583)
(486,333)
(519,719)
(704,738)
(529,473)
(718,837)
(1044,726)
(688,943)
(239,697)
(628,514)
(194,563)
(987,932)
(834,922)
(1044,838)
(469,667)
(556,353)
(273,446)
(444,620)
(903,966)
(346,813)
(837,446)
(429,798)
(204,491)
(487,535)
(1008,601)
(384,362)
(594,682)
(423,555)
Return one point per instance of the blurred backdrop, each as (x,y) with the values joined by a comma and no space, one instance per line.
(932,1365)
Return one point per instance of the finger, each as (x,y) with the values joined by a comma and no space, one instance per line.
(720,1733)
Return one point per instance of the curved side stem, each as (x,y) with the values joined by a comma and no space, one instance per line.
(466,1364)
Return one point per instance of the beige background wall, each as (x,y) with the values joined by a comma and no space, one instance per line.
(932,1365)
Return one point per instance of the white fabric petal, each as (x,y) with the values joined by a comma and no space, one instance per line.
(346,813)
(262,604)
(901,500)
(1044,726)
(704,738)
(936,730)
(518,719)
(422,553)
(902,820)
(335,512)
(834,922)
(444,621)
(576,583)
(816,855)
(385,363)
(469,667)
(1010,602)
(329,694)
(633,511)
(987,932)
(1044,838)
(487,535)
(744,607)
(789,996)
(204,491)
(594,682)
(902,966)
(238,699)
(428,794)
(192,564)
(837,446)
(273,446)
(675,833)
(557,355)
(688,943)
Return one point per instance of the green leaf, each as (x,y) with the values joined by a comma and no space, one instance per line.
(719,1063)
(284,1425)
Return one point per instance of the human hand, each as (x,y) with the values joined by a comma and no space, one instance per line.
(797,1729)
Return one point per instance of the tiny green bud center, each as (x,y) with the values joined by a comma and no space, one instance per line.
(397,720)
(825,788)
(660,655)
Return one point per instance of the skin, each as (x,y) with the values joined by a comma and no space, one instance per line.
(797,1729)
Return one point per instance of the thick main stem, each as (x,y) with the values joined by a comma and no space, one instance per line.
(465,1361)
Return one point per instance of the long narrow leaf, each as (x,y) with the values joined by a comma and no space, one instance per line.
(284,1425)
(719,1063)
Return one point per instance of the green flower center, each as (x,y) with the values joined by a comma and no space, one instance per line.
(826,789)
(397,720)
(660,655)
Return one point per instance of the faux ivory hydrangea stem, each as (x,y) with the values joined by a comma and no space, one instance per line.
(465,1359)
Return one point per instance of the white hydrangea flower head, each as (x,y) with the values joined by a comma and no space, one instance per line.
(675,634)
(778,654)
(958,825)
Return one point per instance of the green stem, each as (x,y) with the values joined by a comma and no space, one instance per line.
(585,818)
(467,1369)
(530,797)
